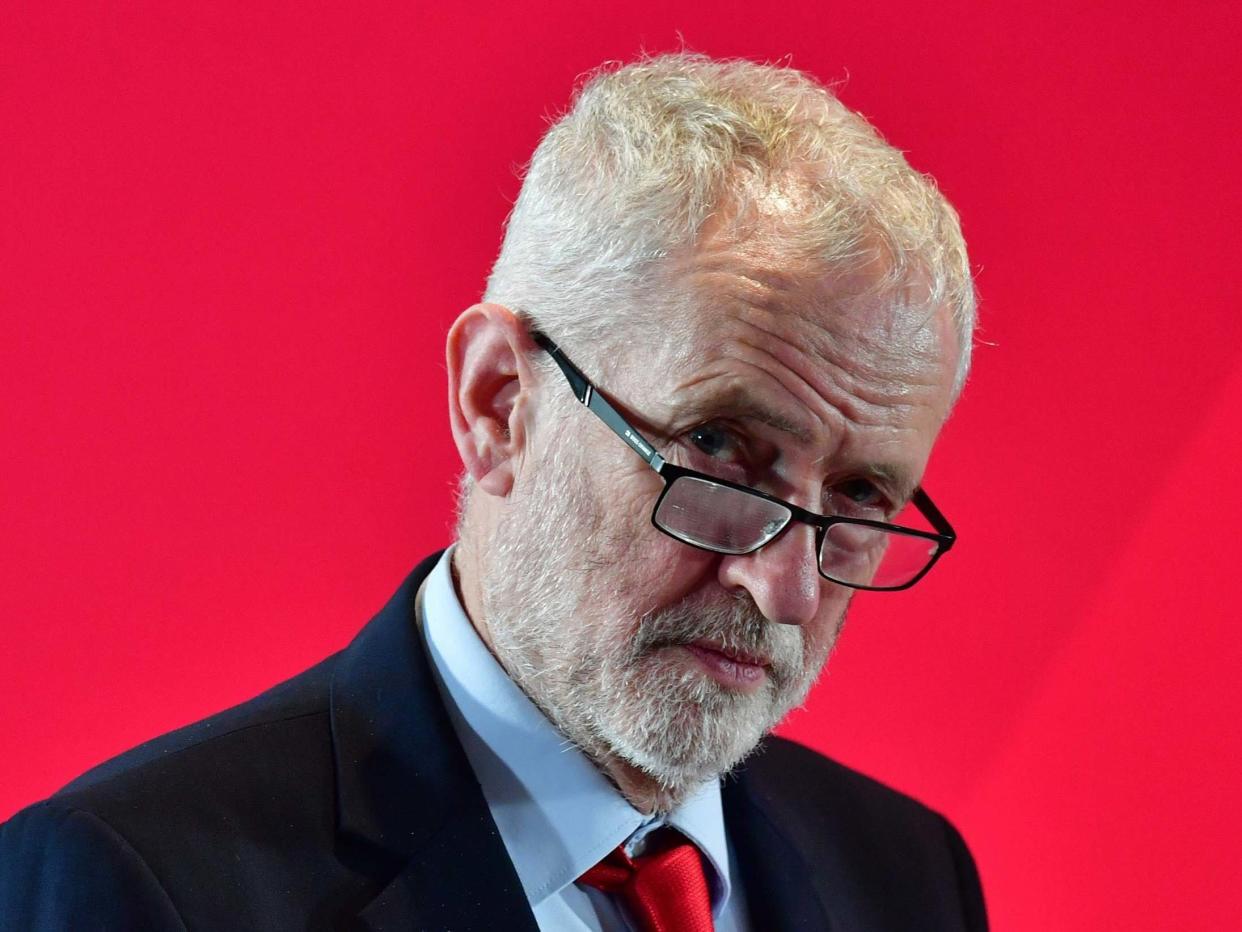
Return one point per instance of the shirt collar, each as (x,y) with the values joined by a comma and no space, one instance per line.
(557,814)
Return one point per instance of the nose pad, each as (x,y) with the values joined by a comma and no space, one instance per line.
(782,576)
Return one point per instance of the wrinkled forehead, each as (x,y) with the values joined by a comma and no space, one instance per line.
(730,296)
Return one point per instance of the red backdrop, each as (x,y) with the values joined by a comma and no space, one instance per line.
(233,241)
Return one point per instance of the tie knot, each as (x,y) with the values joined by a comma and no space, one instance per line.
(665,889)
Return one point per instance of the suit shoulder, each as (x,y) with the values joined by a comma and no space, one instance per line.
(784,772)
(268,740)
(203,801)
(875,837)
(813,797)
(304,694)
(61,868)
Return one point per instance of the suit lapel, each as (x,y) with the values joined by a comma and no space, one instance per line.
(461,879)
(778,877)
(405,786)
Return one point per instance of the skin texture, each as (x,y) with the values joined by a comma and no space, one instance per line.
(814,390)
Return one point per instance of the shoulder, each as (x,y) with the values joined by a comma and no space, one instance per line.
(263,724)
(786,776)
(236,821)
(197,802)
(60,866)
(872,839)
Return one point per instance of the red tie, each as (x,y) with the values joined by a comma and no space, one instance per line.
(665,892)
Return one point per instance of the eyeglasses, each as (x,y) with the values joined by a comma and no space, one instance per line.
(724,517)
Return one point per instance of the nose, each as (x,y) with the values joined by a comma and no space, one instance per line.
(782,576)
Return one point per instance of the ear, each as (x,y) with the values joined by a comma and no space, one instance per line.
(489,391)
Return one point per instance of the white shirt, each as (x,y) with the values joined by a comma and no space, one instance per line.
(557,814)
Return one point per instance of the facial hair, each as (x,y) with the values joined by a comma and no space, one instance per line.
(670,719)
(554,596)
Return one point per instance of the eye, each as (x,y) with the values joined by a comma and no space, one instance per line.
(714,441)
(861,494)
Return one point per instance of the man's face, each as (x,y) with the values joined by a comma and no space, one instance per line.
(676,660)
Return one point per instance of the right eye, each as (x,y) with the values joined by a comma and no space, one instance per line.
(717,442)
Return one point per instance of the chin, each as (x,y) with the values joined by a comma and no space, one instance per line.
(683,737)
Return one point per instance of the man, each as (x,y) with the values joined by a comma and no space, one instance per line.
(767,316)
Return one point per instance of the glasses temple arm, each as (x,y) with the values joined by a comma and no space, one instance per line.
(924,503)
(586,393)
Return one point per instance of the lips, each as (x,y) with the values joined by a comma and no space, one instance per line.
(735,670)
(732,654)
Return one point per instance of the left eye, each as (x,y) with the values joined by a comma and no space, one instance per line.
(862,493)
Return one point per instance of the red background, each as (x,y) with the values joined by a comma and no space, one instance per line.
(233,241)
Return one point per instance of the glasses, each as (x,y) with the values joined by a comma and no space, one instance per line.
(724,517)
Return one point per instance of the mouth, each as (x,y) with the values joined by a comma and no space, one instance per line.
(732,668)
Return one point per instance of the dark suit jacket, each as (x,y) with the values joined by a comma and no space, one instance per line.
(341,799)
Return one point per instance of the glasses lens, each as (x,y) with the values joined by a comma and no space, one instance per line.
(718,517)
(865,556)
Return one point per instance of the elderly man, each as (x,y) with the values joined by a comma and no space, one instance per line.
(725,327)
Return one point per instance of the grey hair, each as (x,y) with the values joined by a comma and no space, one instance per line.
(649,152)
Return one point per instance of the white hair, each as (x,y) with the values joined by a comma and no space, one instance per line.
(648,152)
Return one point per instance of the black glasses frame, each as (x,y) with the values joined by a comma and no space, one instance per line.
(589,395)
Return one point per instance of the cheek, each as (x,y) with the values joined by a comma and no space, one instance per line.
(668,572)
(637,567)
(822,633)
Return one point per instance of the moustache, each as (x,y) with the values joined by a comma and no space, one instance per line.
(736,625)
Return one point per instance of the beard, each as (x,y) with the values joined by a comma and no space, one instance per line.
(620,685)
(670,719)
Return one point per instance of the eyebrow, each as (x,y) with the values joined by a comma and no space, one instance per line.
(740,403)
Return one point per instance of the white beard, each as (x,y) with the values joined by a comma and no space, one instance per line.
(615,685)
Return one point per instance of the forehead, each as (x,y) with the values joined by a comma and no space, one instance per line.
(824,354)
